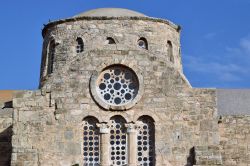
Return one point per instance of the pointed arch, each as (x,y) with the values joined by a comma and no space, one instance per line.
(80,45)
(170,51)
(146,141)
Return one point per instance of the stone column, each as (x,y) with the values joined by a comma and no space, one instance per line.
(104,144)
(132,144)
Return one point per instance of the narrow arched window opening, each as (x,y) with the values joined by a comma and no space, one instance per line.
(118,141)
(142,43)
(146,141)
(51,57)
(170,51)
(90,142)
(110,40)
(80,45)
(44,61)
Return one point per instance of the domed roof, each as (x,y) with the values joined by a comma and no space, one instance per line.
(110,12)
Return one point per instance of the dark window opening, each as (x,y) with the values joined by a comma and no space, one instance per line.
(110,40)
(51,56)
(80,45)
(170,51)
(142,43)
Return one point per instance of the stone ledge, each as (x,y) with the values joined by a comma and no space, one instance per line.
(54,23)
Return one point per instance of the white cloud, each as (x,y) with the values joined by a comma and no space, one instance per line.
(223,72)
(245,45)
(243,49)
(210,35)
(231,66)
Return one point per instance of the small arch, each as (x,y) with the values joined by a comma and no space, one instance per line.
(119,117)
(143,43)
(80,45)
(148,113)
(110,40)
(51,57)
(91,117)
(146,117)
(170,51)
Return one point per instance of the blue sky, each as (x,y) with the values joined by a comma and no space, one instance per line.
(215,37)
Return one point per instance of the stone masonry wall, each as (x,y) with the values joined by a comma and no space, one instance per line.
(207,155)
(5,135)
(45,135)
(235,140)
(126,33)
(48,123)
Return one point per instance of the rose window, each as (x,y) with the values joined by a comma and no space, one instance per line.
(117,85)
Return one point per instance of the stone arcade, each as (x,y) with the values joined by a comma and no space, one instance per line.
(112,92)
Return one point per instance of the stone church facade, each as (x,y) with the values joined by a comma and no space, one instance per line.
(112,93)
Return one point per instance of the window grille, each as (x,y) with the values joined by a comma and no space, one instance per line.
(90,142)
(117,85)
(118,142)
(51,56)
(80,45)
(145,142)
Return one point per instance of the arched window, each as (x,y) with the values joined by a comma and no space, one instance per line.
(142,43)
(110,40)
(118,142)
(170,51)
(80,45)
(146,141)
(44,61)
(90,142)
(51,56)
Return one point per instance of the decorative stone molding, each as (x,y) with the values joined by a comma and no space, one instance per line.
(104,128)
(131,127)
(129,102)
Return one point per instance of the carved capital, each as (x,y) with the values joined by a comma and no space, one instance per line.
(104,128)
(131,127)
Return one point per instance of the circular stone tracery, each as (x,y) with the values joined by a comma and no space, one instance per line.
(117,85)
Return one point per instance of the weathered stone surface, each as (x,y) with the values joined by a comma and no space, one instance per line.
(5,136)
(235,139)
(48,123)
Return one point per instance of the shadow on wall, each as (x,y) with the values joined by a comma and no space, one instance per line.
(5,146)
(191,158)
